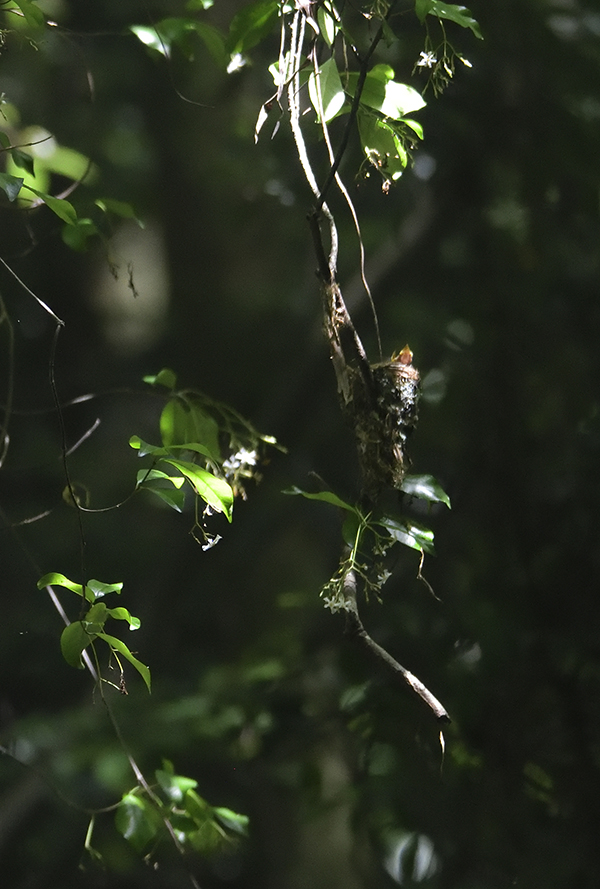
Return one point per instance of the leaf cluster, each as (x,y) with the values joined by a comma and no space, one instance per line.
(81,633)
(209,445)
(368,537)
(174,807)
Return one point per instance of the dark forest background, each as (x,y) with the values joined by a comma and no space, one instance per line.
(485,257)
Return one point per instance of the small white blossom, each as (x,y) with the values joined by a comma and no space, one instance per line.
(240,460)
(335,603)
(426,60)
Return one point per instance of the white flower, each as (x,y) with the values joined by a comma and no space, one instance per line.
(426,60)
(240,460)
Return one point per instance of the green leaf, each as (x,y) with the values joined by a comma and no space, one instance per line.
(250,25)
(120,646)
(183,421)
(232,820)
(449,11)
(123,614)
(196,807)
(54,579)
(63,209)
(193,446)
(154,480)
(414,125)
(73,640)
(174,499)
(409,533)
(118,208)
(213,40)
(327,25)
(77,235)
(149,475)
(385,95)
(425,487)
(22,160)
(144,448)
(137,821)
(325,496)
(330,86)
(100,589)
(382,145)
(33,14)
(11,185)
(165,377)
(183,33)
(213,490)
(149,36)
(94,620)
(350,528)
(174,786)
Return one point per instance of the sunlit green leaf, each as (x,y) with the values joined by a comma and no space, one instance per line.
(449,11)
(165,377)
(149,475)
(232,820)
(329,85)
(325,496)
(381,145)
(137,821)
(100,589)
(54,579)
(62,208)
(409,533)
(425,487)
(73,640)
(213,490)
(183,421)
(385,95)
(414,125)
(193,446)
(196,807)
(150,37)
(144,448)
(33,14)
(94,620)
(123,614)
(327,25)
(174,786)
(120,646)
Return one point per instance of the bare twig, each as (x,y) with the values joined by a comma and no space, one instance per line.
(355,627)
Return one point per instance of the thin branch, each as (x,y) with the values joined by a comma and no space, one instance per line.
(353,112)
(348,200)
(31,293)
(10,382)
(355,627)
